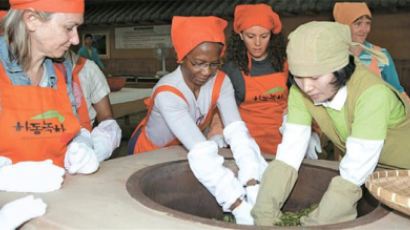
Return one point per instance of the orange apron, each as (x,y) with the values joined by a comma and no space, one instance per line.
(37,123)
(144,144)
(263,107)
(82,109)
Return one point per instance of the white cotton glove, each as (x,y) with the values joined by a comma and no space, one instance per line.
(207,166)
(84,137)
(219,140)
(4,161)
(283,126)
(242,214)
(31,176)
(80,158)
(15,213)
(106,138)
(245,151)
(314,147)
(251,194)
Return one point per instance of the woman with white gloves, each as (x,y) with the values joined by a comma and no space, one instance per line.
(91,92)
(182,104)
(40,129)
(359,112)
(38,114)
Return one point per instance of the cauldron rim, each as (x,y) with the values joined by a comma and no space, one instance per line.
(136,192)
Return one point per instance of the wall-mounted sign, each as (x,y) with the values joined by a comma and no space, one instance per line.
(142,37)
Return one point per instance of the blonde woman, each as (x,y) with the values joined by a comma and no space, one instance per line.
(38,115)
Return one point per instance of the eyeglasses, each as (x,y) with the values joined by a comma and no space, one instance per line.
(204,65)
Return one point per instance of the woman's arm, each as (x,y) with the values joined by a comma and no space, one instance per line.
(375,111)
(103,109)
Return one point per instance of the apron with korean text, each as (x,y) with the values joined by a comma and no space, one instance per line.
(36,123)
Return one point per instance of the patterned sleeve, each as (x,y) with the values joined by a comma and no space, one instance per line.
(389,73)
(97,82)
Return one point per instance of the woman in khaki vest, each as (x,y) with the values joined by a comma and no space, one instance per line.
(360,113)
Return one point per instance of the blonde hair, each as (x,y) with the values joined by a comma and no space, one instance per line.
(17,36)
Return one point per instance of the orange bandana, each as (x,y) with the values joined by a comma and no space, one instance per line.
(188,32)
(3,14)
(347,12)
(51,6)
(248,15)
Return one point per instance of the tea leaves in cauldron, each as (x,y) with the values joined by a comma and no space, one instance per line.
(228,217)
(287,218)
(293,218)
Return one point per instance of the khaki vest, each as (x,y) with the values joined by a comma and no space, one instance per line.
(396,148)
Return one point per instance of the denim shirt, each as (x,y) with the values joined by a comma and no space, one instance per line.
(18,77)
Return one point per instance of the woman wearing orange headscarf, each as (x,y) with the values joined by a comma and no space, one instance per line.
(256,64)
(181,105)
(37,116)
(358,16)
(39,129)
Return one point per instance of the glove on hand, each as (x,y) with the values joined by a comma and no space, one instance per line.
(84,137)
(31,176)
(338,204)
(15,213)
(276,185)
(207,166)
(219,140)
(314,147)
(4,161)
(245,151)
(80,158)
(242,214)
(106,137)
(251,194)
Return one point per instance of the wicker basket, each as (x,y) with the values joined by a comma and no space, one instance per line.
(391,187)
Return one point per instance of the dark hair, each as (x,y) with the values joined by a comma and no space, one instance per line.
(341,76)
(237,52)
(88,36)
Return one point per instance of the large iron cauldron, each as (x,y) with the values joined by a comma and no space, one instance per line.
(172,188)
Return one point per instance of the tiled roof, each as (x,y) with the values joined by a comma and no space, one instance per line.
(157,11)
(132,12)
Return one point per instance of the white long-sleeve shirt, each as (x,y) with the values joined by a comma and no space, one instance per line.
(376,110)
(172,117)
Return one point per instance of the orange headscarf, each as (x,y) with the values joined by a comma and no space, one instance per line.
(248,15)
(188,32)
(51,6)
(347,12)
(3,13)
